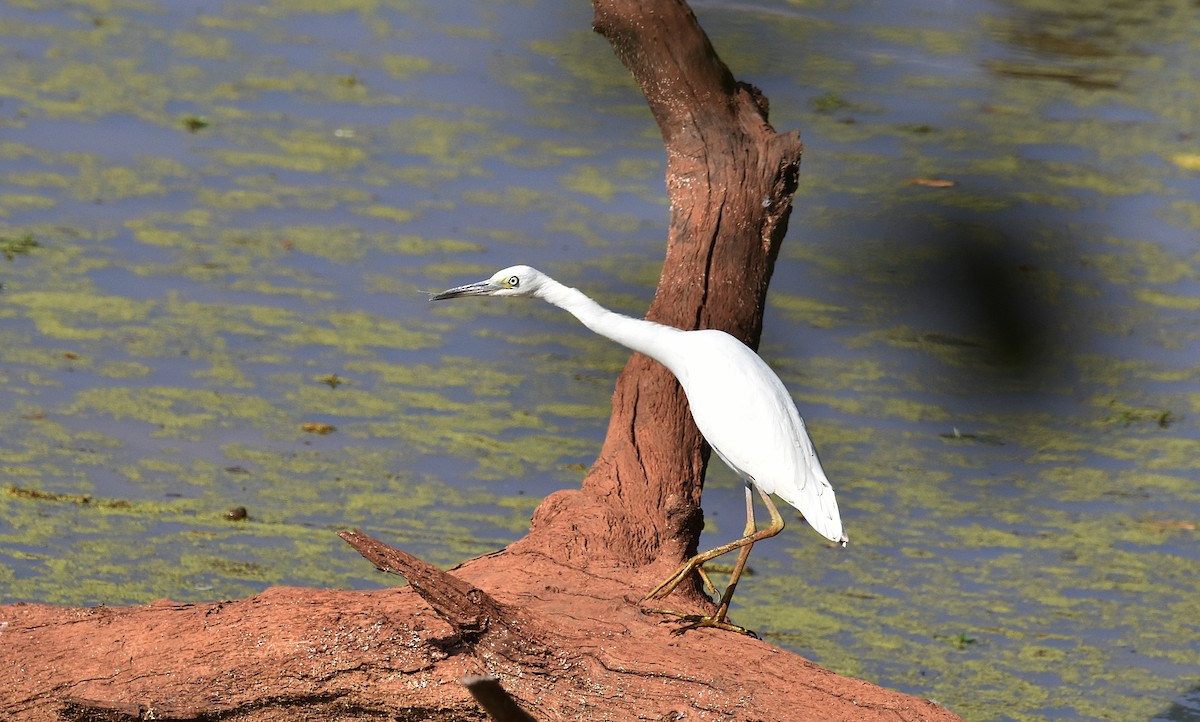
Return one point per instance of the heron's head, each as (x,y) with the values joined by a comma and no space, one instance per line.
(512,281)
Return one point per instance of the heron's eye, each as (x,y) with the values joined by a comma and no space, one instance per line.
(513,282)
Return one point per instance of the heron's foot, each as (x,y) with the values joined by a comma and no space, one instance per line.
(663,590)
(695,621)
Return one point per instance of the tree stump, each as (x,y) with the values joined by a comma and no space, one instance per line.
(551,627)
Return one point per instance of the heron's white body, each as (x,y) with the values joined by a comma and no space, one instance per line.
(771,446)
(739,404)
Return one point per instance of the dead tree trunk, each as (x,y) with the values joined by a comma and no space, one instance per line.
(730,178)
(554,619)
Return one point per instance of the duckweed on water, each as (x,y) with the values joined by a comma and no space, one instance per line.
(12,247)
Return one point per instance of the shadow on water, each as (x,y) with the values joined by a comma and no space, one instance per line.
(988,276)
(988,295)
(1185,709)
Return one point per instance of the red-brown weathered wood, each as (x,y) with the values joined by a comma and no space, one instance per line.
(555,617)
(481,624)
(306,654)
(730,179)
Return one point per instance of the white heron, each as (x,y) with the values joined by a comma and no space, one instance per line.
(739,404)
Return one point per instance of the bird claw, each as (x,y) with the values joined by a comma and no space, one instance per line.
(695,621)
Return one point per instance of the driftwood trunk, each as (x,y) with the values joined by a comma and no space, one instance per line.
(555,618)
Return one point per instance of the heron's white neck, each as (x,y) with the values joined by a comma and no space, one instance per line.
(647,337)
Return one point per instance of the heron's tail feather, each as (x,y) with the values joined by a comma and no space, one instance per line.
(817,502)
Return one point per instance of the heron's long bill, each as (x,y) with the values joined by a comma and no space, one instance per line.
(482,288)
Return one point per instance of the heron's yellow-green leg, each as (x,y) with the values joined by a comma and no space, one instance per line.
(750,536)
(681,573)
(718,619)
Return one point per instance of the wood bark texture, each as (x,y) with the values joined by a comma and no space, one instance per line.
(552,627)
